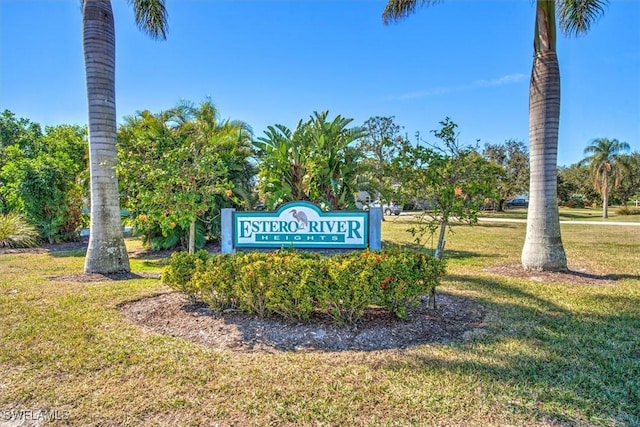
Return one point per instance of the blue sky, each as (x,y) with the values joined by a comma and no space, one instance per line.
(277,61)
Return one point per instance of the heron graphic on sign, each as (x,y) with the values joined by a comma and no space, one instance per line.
(301,217)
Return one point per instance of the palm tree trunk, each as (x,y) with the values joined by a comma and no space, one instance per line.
(543,248)
(605,195)
(106,252)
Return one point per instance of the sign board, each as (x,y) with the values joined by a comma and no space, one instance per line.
(301,225)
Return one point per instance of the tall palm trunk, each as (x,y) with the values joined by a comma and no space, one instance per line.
(543,248)
(605,194)
(106,252)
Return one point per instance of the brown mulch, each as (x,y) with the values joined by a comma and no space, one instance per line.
(96,277)
(48,248)
(172,314)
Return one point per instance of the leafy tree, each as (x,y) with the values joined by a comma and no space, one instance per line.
(456,178)
(630,172)
(42,180)
(574,186)
(20,133)
(543,244)
(513,159)
(380,144)
(317,162)
(603,158)
(179,167)
(106,252)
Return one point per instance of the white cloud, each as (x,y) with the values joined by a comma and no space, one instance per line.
(500,81)
(504,80)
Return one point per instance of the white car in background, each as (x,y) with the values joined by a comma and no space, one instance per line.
(388,209)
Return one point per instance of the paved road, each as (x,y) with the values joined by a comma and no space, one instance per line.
(571,222)
(636,224)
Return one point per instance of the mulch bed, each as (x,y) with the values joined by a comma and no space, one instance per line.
(172,314)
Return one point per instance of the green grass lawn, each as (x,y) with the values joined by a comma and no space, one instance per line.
(550,353)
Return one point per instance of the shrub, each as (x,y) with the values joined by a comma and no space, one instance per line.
(294,278)
(180,271)
(214,279)
(628,210)
(349,288)
(15,232)
(407,278)
(575,201)
(294,284)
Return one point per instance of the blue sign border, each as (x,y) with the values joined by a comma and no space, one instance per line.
(298,244)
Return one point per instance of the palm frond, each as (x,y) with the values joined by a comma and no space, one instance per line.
(396,10)
(576,16)
(151,17)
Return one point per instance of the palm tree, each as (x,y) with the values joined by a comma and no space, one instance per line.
(603,159)
(316,162)
(283,169)
(543,248)
(334,161)
(106,252)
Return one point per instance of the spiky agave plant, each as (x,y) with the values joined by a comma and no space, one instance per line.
(15,232)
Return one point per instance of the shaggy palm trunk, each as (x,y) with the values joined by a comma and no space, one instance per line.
(106,252)
(543,248)
(605,195)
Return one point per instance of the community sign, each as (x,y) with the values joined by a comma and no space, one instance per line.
(301,225)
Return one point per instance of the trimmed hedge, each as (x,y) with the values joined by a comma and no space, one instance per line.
(295,284)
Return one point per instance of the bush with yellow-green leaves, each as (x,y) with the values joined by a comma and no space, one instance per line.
(296,284)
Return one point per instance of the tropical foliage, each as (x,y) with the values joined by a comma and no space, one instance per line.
(43,175)
(318,162)
(15,232)
(179,167)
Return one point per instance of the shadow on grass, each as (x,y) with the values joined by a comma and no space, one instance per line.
(159,262)
(75,253)
(497,224)
(549,362)
(615,276)
(588,215)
